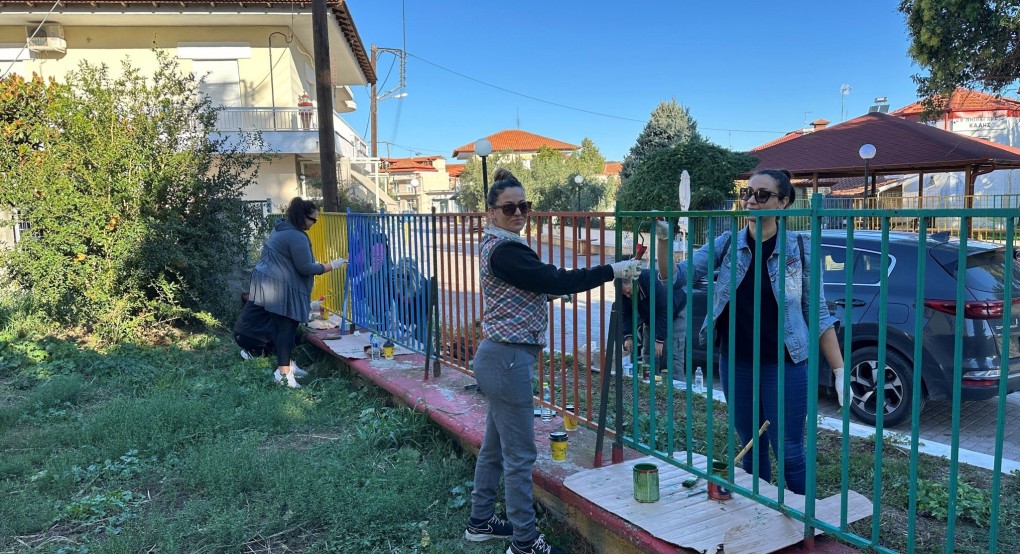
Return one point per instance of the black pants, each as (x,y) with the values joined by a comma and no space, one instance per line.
(283,337)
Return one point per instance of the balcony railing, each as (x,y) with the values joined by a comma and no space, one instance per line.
(349,143)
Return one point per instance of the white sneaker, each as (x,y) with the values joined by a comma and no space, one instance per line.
(287,379)
(245,355)
(297,371)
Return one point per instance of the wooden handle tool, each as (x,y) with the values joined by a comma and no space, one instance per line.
(747,447)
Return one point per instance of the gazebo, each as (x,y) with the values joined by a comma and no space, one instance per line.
(903,147)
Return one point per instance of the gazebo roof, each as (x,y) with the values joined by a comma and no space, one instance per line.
(902,147)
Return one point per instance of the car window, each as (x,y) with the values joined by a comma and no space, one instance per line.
(834,264)
(986,271)
(868,269)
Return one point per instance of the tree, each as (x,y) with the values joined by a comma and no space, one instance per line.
(970,44)
(670,124)
(134,204)
(712,168)
(469,193)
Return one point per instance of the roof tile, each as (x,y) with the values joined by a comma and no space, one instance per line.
(517,141)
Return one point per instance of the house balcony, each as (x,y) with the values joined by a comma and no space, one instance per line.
(290,130)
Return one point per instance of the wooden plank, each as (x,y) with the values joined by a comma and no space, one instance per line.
(688,518)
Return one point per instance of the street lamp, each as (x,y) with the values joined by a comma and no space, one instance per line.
(867,152)
(414,190)
(483,148)
(578,181)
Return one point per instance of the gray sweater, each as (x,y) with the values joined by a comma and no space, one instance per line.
(282,280)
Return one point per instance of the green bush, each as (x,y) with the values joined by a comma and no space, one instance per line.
(133,203)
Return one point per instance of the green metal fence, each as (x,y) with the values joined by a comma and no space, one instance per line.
(923,497)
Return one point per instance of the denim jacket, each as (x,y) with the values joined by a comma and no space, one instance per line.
(797,303)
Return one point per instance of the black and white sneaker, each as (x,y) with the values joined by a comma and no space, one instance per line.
(492,528)
(538,546)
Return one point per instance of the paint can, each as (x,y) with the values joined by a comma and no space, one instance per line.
(719,492)
(569,421)
(558,445)
(646,482)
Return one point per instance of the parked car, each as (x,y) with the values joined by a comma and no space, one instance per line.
(984,278)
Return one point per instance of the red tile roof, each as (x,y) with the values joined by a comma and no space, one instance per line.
(902,147)
(788,136)
(455,170)
(612,168)
(409,165)
(517,141)
(966,100)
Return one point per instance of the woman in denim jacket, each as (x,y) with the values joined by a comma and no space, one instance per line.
(768,189)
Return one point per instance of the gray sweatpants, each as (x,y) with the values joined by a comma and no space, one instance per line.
(505,374)
(679,343)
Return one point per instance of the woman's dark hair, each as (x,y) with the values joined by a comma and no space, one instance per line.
(502,179)
(298,210)
(782,178)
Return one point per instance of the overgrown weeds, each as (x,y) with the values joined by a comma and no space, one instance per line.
(190,448)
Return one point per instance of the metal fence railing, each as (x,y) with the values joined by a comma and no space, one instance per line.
(922,315)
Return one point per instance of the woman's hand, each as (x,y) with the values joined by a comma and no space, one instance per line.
(662,229)
(627,345)
(627,270)
(336,264)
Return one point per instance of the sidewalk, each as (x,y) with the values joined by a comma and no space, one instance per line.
(461,413)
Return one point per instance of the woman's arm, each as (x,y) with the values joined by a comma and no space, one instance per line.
(519,265)
(301,255)
(829,345)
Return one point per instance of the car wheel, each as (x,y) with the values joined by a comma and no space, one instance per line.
(864,386)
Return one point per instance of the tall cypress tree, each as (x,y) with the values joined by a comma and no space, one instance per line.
(671,123)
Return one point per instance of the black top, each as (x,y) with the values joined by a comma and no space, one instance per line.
(518,265)
(744,303)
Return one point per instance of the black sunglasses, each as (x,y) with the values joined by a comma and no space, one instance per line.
(511,209)
(761,195)
(314,219)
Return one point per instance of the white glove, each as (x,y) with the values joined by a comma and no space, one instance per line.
(337,264)
(628,269)
(663,230)
(838,372)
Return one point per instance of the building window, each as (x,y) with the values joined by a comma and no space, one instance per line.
(222,81)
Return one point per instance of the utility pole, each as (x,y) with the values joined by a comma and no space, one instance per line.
(373,115)
(324,100)
(373,106)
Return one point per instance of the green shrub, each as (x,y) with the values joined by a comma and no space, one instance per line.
(133,203)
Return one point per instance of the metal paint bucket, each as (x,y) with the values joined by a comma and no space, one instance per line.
(569,421)
(646,482)
(558,445)
(719,492)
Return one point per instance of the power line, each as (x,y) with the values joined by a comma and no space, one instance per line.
(559,105)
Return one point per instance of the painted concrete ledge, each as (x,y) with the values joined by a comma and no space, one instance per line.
(461,413)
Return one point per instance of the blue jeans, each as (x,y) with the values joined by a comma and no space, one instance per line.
(505,374)
(794,410)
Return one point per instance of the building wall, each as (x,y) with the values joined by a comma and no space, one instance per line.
(292,75)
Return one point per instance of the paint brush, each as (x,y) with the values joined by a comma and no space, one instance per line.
(747,447)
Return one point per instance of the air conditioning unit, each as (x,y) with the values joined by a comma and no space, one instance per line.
(49,38)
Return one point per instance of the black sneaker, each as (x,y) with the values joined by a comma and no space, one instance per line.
(538,546)
(493,528)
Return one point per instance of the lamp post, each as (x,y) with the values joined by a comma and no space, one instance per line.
(483,148)
(414,190)
(867,152)
(578,181)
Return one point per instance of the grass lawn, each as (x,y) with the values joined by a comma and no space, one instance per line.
(188,448)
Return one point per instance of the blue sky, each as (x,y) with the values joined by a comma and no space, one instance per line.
(748,70)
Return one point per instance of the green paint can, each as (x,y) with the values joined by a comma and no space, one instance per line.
(646,482)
